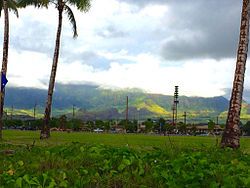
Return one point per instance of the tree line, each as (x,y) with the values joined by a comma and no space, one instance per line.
(155,126)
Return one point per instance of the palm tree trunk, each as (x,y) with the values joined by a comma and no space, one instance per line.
(45,132)
(5,60)
(231,135)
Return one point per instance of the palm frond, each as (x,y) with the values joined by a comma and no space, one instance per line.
(12,5)
(36,3)
(82,5)
(72,20)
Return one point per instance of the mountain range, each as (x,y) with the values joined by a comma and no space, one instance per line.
(94,102)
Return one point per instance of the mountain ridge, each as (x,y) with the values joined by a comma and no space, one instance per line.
(94,101)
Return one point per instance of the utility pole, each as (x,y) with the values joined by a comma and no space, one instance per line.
(73,113)
(115,107)
(35,111)
(11,115)
(127,111)
(185,118)
(217,120)
(138,124)
(173,117)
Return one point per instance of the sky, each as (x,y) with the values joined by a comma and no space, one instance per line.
(148,44)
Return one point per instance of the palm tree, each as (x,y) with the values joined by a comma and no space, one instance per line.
(5,5)
(62,6)
(231,135)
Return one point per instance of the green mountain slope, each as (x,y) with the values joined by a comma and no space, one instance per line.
(95,102)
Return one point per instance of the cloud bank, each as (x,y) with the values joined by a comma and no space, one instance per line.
(149,44)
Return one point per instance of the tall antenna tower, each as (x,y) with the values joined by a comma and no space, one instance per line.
(175,105)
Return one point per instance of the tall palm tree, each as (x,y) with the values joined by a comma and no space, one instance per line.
(62,6)
(231,135)
(5,5)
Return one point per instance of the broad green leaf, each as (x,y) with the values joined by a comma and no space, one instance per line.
(52,184)
(34,181)
(63,183)
(124,164)
(20,163)
(82,149)
(26,178)
(45,177)
(19,182)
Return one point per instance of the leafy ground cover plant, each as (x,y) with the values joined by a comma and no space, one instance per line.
(84,165)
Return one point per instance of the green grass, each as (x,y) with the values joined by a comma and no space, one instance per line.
(131,140)
(120,160)
(95,165)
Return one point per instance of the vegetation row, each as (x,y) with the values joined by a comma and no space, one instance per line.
(81,165)
(157,126)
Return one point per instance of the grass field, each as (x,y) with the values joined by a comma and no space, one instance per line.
(120,160)
(131,140)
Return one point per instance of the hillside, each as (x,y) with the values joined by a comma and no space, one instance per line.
(93,102)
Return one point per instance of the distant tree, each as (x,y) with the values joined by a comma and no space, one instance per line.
(18,122)
(12,123)
(193,129)
(5,5)
(112,123)
(246,128)
(54,122)
(231,135)
(161,123)
(36,124)
(74,124)
(107,125)
(222,125)
(211,125)
(182,128)
(99,124)
(90,125)
(122,123)
(169,128)
(131,126)
(63,122)
(149,124)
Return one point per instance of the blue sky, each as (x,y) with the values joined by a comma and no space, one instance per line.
(148,44)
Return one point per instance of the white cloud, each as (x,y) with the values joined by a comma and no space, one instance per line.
(133,55)
(28,69)
(155,11)
(200,78)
